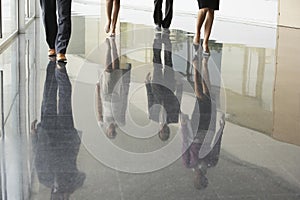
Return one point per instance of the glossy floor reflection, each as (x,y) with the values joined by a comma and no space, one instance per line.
(145,115)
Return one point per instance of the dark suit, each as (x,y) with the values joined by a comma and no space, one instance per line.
(58,32)
(158,15)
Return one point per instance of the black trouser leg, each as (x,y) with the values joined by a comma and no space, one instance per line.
(64,25)
(49,19)
(65,114)
(49,103)
(168,14)
(157,15)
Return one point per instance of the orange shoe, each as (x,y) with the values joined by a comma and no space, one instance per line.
(61,57)
(51,52)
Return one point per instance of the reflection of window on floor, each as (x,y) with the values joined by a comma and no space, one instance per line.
(253,72)
(257,63)
(248,74)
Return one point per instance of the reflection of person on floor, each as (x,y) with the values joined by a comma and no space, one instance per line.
(163,104)
(112,92)
(200,151)
(55,140)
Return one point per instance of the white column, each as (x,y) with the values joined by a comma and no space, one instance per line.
(289,14)
(21,16)
(37,8)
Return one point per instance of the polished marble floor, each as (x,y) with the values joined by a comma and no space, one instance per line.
(146,115)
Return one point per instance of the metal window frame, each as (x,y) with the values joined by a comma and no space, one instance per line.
(2,137)
(0,18)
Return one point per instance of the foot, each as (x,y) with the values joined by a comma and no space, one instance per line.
(196,47)
(206,51)
(196,39)
(51,52)
(60,57)
(158,36)
(52,58)
(113,31)
(107,43)
(166,30)
(107,28)
(61,65)
(158,28)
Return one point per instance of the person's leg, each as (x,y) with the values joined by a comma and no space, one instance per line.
(208,25)
(169,74)
(64,25)
(125,84)
(167,50)
(157,15)
(49,103)
(48,8)
(115,56)
(109,7)
(200,20)
(157,46)
(108,60)
(213,157)
(115,16)
(65,114)
(168,14)
(205,76)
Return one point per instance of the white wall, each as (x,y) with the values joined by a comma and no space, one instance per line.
(289,14)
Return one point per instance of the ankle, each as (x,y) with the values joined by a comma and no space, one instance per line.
(196,39)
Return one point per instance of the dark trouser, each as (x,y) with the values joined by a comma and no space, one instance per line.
(65,115)
(158,15)
(49,103)
(58,33)
(57,81)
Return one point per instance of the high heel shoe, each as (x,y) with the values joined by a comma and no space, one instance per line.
(205,51)
(107,28)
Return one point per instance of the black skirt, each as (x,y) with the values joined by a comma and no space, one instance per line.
(212,4)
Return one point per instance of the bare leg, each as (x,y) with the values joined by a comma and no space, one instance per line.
(200,19)
(208,25)
(201,76)
(108,61)
(198,79)
(205,76)
(115,56)
(115,16)
(109,6)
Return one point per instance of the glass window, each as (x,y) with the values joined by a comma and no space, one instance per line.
(9,19)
